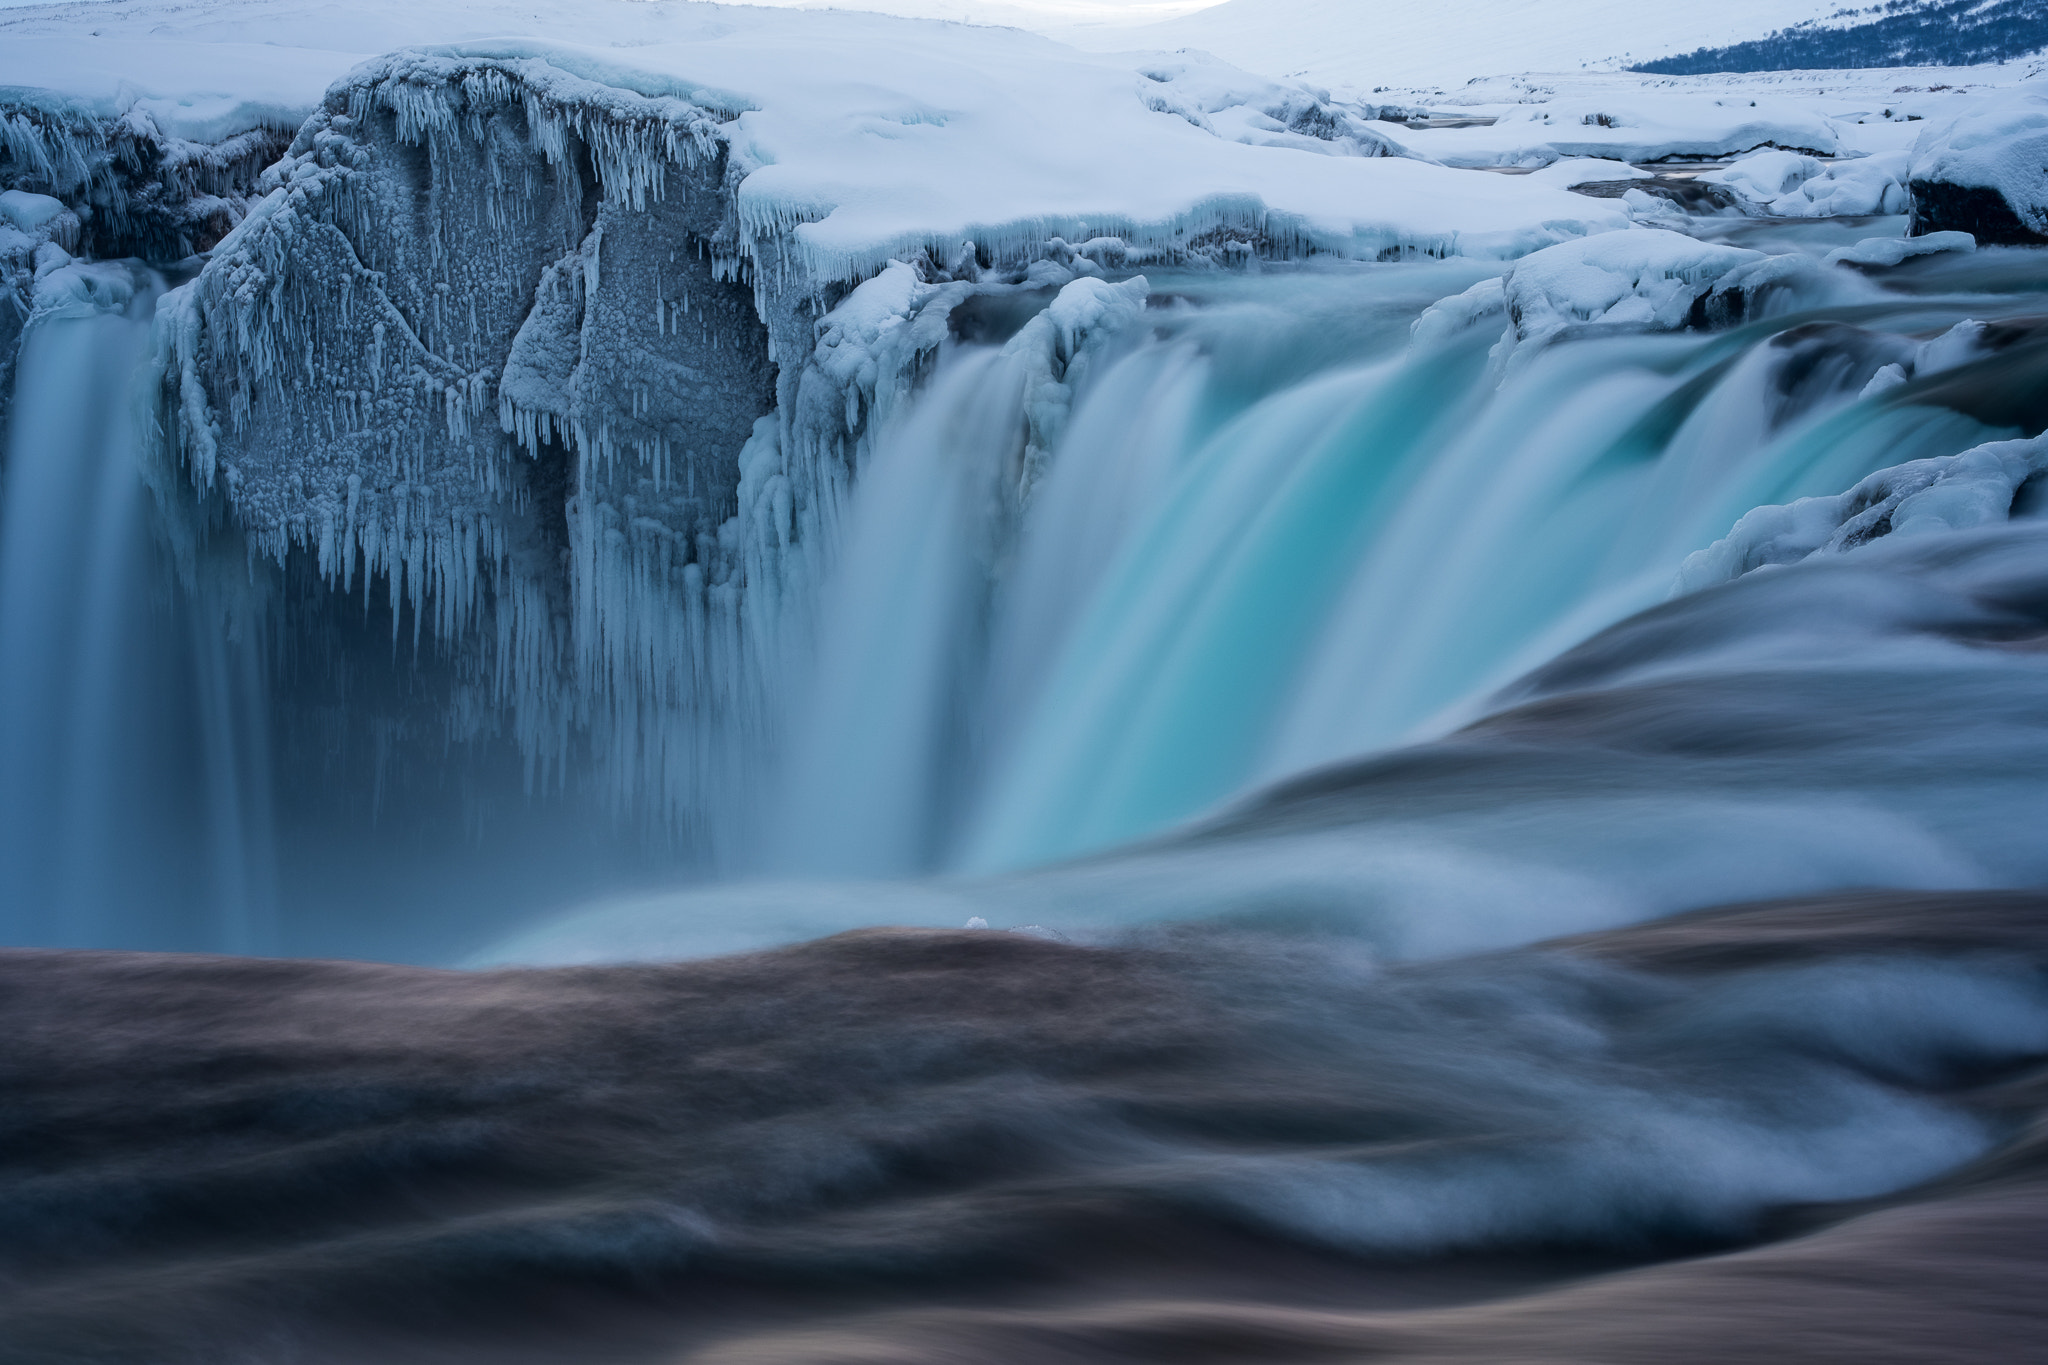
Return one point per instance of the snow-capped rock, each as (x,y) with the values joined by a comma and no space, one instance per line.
(1779,184)
(1986,171)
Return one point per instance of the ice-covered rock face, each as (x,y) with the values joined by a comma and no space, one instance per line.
(495,349)
(1986,172)
(136,189)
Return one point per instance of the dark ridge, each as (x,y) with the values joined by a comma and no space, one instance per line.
(1907,33)
(1876,923)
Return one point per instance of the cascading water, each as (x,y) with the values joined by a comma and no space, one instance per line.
(134,800)
(1278,534)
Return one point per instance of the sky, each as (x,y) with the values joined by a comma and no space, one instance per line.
(1356,46)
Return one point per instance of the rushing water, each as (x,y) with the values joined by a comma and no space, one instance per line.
(133,774)
(1278,534)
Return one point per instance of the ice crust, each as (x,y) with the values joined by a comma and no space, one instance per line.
(865,137)
(1647,279)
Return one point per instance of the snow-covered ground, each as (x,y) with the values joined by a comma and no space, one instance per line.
(866,136)
(1885,108)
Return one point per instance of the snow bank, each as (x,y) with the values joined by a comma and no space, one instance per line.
(1979,487)
(1632,126)
(1985,172)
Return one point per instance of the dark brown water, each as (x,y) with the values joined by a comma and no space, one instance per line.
(1796,1131)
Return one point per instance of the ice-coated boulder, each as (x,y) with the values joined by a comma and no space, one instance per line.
(1986,171)
(1647,277)
(1779,184)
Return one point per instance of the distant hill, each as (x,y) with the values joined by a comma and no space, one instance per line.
(1903,33)
(1361,44)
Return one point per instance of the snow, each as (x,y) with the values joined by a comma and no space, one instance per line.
(861,137)
(31,213)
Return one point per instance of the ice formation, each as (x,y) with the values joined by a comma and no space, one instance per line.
(1982,486)
(135,188)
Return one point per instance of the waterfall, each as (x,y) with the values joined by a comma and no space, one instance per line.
(1277,533)
(1132,552)
(134,799)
